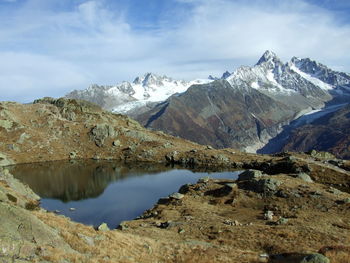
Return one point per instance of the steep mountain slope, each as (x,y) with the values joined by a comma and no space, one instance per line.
(127,96)
(330,132)
(219,115)
(246,108)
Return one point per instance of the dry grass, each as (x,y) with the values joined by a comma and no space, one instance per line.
(337,254)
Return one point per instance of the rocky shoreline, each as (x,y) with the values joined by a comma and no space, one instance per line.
(284,208)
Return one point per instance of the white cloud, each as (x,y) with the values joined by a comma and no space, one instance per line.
(47,53)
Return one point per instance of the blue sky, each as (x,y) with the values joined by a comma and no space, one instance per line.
(50,47)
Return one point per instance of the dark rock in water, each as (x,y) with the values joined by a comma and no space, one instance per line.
(315,258)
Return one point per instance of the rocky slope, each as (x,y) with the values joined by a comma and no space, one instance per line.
(327,133)
(294,206)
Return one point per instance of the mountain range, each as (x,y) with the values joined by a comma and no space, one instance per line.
(245,109)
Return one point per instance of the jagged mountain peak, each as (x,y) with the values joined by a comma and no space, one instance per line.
(268,56)
(150,78)
(321,71)
(212,78)
(225,75)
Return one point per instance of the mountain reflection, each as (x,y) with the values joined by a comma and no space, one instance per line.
(78,179)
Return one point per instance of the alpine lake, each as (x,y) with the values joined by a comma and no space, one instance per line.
(93,192)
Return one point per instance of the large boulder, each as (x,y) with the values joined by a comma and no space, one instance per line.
(100,132)
(249,175)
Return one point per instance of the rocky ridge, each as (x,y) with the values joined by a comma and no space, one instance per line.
(134,96)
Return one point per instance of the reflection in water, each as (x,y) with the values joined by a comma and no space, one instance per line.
(79,179)
(104,191)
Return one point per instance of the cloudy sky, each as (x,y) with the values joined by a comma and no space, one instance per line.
(50,47)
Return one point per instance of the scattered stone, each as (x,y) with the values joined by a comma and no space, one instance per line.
(163,201)
(167,145)
(88,240)
(267,186)
(103,227)
(222,158)
(282,193)
(264,256)
(346,200)
(172,157)
(232,223)
(123,226)
(203,179)
(72,155)
(315,258)
(100,132)
(4,160)
(116,143)
(323,155)
(167,224)
(176,196)
(268,215)
(249,175)
(96,157)
(184,188)
(305,177)
(23,137)
(334,191)
(231,185)
(181,231)
(6,124)
(282,221)
(13,147)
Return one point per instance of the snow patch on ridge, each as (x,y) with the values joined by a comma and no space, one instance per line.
(313,80)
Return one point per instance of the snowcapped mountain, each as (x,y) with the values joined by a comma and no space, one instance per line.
(282,81)
(243,109)
(127,96)
(246,108)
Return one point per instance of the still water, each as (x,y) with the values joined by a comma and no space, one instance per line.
(105,191)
